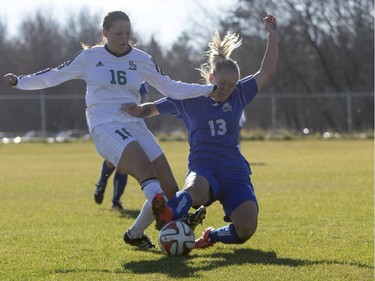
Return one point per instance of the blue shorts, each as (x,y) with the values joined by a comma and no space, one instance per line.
(230,188)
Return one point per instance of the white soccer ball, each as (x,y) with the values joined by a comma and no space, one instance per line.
(176,239)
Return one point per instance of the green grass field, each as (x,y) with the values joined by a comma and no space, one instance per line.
(316,218)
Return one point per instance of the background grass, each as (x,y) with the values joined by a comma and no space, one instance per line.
(316,218)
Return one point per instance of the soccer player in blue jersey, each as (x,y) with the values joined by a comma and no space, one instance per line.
(120,178)
(217,169)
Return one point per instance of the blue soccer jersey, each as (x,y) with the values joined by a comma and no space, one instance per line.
(213,126)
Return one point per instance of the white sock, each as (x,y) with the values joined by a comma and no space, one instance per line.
(144,220)
(150,188)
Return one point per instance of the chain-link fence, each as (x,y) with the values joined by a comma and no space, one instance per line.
(335,112)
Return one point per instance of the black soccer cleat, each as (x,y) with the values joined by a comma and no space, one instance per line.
(118,207)
(195,218)
(99,193)
(142,243)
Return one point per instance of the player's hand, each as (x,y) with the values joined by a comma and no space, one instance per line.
(270,23)
(132,108)
(10,79)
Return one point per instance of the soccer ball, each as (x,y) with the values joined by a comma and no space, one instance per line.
(176,239)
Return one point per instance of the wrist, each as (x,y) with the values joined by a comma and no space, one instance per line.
(15,82)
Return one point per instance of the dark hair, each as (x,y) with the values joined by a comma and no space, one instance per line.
(111,17)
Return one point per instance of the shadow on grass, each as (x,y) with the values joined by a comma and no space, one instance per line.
(183,267)
(126,213)
(258,164)
(129,213)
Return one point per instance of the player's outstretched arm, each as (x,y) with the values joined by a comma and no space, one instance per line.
(268,66)
(140,110)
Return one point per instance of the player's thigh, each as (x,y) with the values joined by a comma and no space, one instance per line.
(109,144)
(198,188)
(136,163)
(146,140)
(119,144)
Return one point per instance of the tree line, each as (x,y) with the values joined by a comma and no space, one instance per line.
(325,47)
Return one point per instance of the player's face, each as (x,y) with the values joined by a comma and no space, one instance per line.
(118,36)
(226,81)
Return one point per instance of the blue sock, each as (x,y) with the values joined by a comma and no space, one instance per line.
(105,174)
(180,204)
(226,234)
(119,184)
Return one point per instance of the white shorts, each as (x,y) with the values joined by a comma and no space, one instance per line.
(110,140)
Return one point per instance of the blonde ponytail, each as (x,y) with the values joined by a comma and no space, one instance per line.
(219,55)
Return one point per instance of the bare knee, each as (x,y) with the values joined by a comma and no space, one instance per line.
(245,219)
(245,230)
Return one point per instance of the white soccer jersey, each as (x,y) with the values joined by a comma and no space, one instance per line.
(111,81)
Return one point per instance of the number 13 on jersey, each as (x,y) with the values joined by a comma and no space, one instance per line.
(217,127)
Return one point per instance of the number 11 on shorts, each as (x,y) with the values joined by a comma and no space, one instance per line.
(123,133)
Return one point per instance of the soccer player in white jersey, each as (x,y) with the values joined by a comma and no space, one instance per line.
(120,178)
(113,73)
(217,169)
